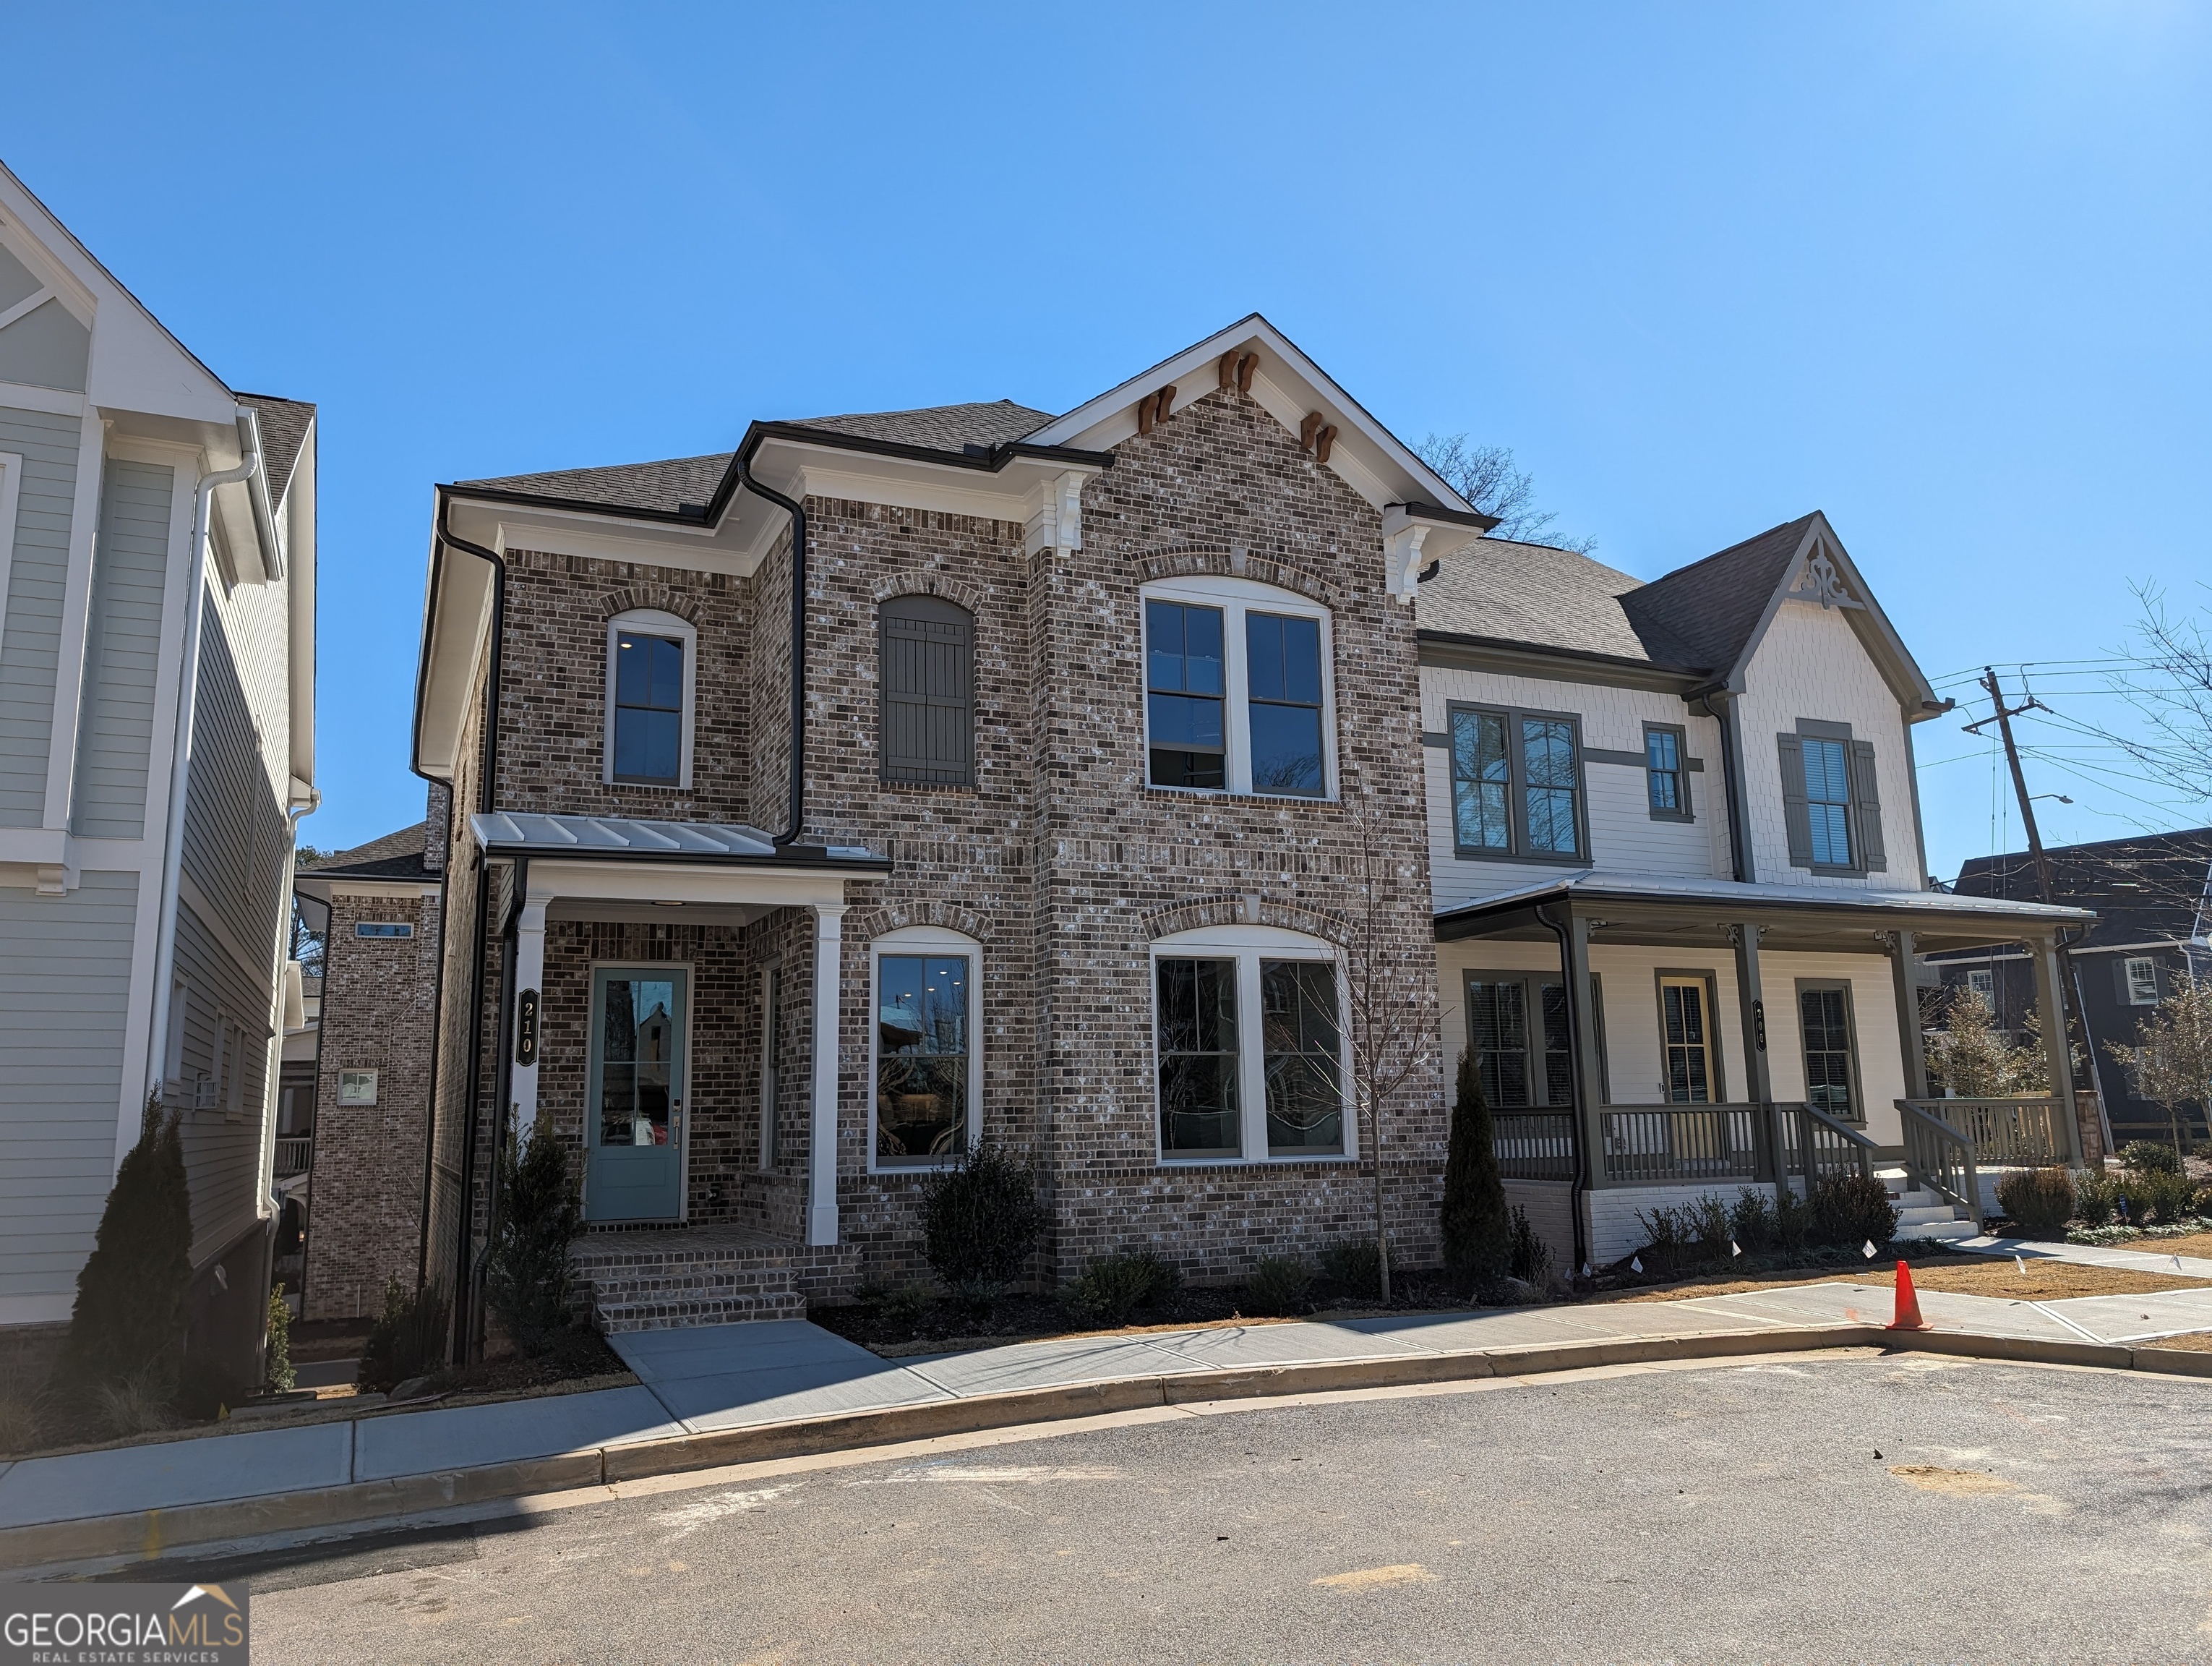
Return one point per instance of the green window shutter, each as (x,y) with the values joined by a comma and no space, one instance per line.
(1866,801)
(1793,801)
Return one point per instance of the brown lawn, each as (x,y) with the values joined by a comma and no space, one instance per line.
(1965,1275)
(2194,1342)
(2188,1244)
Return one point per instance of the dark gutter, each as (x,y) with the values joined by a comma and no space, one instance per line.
(1740,863)
(1474,517)
(991,459)
(1648,667)
(798,513)
(1581,1183)
(795,855)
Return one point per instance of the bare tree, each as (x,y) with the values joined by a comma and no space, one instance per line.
(2171,1065)
(1485,477)
(2170,687)
(1384,984)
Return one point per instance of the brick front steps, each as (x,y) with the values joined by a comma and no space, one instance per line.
(662,1278)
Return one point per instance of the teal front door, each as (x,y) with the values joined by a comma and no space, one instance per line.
(633,1114)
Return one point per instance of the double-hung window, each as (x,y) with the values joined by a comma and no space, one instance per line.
(1823,1024)
(1249,1047)
(1517,785)
(1831,801)
(1237,688)
(2141,973)
(1666,771)
(1518,1035)
(651,679)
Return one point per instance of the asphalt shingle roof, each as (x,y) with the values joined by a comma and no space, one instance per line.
(1533,593)
(669,486)
(284,424)
(2146,889)
(396,855)
(1703,614)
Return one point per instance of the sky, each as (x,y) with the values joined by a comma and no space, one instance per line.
(1937,269)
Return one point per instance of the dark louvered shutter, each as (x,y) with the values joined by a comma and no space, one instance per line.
(1794,819)
(1865,803)
(927,658)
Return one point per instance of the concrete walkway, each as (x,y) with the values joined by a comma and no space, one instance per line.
(2141,1256)
(717,1378)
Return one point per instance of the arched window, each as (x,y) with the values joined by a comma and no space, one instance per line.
(928,1076)
(1249,1046)
(651,674)
(926,653)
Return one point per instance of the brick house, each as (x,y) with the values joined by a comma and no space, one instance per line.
(1097,798)
(377,906)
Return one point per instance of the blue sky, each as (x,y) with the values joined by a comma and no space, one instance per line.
(1938,270)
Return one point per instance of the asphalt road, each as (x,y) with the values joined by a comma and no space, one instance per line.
(1738,1513)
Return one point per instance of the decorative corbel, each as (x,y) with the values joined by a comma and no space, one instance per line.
(1315,422)
(1401,559)
(1056,524)
(1322,442)
(1155,408)
(1245,368)
(1227,370)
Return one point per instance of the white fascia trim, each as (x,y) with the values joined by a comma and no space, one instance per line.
(689,552)
(11,486)
(51,401)
(674,882)
(323,890)
(1369,458)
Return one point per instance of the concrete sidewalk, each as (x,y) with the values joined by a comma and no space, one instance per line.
(713,1380)
(2141,1256)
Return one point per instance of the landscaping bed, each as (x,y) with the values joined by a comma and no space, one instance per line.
(1961,1275)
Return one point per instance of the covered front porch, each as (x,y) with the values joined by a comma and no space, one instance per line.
(671,1006)
(1643,1039)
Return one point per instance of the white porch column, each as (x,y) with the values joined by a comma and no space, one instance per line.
(821,1138)
(529,982)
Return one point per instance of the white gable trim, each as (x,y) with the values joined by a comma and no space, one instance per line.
(1868,622)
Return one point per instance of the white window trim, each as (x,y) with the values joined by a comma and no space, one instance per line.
(1989,996)
(2127,972)
(11,486)
(651,622)
(1247,945)
(938,940)
(173,1042)
(1235,597)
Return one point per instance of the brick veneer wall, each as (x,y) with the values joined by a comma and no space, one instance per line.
(1058,858)
(365,1194)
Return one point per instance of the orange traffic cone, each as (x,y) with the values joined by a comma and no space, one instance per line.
(1908,1302)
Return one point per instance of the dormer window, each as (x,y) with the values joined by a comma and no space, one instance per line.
(650,679)
(1831,804)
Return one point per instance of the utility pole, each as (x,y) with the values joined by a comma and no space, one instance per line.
(2045,890)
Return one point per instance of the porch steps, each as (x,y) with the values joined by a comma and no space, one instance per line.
(665,1280)
(1921,1214)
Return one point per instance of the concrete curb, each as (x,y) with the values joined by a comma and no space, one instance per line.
(151,1533)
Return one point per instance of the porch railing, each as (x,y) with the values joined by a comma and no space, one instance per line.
(1534,1144)
(2004,1133)
(1941,1158)
(1819,1148)
(1681,1145)
(292,1154)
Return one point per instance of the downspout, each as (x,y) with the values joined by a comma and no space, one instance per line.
(438,985)
(1581,1183)
(1738,827)
(188,679)
(463,1268)
(746,478)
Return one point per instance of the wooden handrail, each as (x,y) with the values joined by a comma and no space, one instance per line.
(1941,1158)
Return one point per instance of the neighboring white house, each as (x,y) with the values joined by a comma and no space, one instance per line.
(1679,883)
(157,567)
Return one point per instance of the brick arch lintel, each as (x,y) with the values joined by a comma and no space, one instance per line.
(655,596)
(894,916)
(927,581)
(1227,911)
(1224,560)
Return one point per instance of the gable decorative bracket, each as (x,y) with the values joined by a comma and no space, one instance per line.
(1401,558)
(1820,583)
(1236,370)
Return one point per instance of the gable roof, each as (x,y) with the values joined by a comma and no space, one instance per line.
(664,488)
(1704,620)
(938,427)
(2148,888)
(284,424)
(395,855)
(1707,613)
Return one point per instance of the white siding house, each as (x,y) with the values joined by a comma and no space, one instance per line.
(157,562)
(1677,868)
